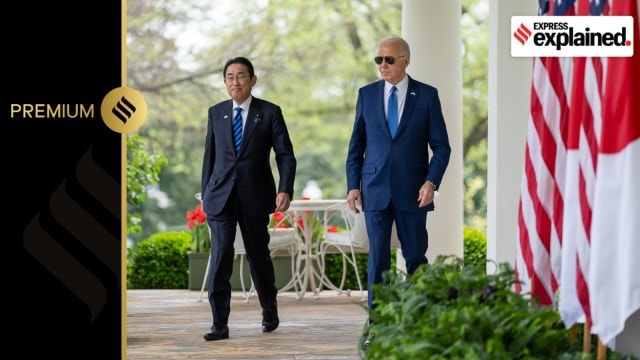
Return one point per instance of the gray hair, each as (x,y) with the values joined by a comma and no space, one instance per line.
(404,45)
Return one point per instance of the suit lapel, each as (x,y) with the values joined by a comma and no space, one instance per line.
(409,103)
(383,115)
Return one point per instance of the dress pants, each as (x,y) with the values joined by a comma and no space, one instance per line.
(256,242)
(413,236)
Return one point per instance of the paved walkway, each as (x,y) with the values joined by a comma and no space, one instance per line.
(169,324)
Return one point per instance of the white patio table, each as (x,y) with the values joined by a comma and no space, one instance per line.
(305,213)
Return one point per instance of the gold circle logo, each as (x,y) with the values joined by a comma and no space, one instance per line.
(123,109)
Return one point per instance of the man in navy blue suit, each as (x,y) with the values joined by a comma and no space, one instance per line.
(390,173)
(238,188)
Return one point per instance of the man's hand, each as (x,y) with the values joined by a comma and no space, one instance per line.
(426,193)
(354,200)
(283,200)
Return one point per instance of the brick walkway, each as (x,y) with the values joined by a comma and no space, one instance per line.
(169,324)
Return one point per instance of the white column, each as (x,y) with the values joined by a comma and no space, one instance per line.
(509,90)
(432,29)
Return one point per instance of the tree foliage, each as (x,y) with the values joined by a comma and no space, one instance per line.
(475,65)
(310,56)
(143,169)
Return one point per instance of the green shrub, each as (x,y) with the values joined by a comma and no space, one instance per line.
(475,247)
(448,310)
(159,262)
(475,252)
(333,271)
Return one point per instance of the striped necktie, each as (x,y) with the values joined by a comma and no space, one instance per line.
(237,128)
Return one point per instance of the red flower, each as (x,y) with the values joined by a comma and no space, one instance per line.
(196,216)
(332,229)
(279,220)
(278,216)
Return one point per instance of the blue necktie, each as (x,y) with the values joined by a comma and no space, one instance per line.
(392,112)
(237,128)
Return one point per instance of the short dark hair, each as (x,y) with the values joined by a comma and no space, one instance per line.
(238,60)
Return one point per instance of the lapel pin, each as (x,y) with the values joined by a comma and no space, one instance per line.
(258,119)
(413,94)
(226,116)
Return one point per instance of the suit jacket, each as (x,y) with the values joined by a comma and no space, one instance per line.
(393,169)
(250,170)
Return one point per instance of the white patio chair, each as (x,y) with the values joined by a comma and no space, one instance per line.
(353,240)
(238,245)
(283,242)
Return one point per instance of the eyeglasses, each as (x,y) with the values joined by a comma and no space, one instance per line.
(239,78)
(389,59)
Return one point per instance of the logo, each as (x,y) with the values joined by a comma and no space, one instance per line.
(572,36)
(123,109)
(522,34)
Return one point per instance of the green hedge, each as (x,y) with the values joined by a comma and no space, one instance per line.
(475,247)
(159,262)
(475,252)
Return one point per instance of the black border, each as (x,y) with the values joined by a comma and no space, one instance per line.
(62,265)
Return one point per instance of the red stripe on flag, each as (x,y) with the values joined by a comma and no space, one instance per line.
(541,220)
(582,264)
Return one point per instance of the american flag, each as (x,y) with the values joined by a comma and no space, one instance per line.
(582,159)
(541,206)
(585,122)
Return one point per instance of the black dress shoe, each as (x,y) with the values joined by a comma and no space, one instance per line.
(270,321)
(217,333)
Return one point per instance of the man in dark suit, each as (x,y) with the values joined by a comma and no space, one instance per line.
(390,173)
(238,188)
